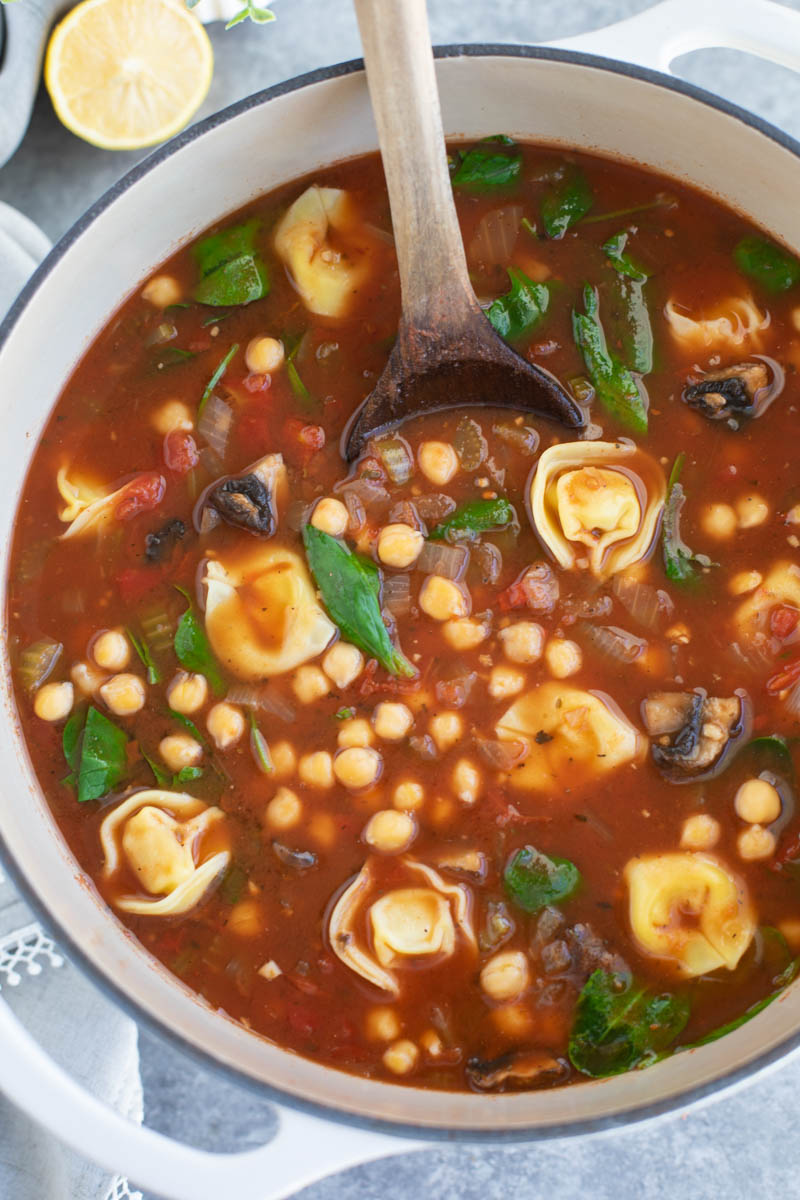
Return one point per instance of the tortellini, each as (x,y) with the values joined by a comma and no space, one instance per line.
(326,277)
(88,507)
(733,324)
(597,504)
(690,909)
(571,736)
(376,933)
(781,586)
(262,614)
(174,845)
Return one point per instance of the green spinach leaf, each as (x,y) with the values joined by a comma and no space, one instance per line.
(95,749)
(769,264)
(192,648)
(215,378)
(474,518)
(630,326)
(619,1026)
(680,563)
(485,169)
(143,650)
(566,201)
(232,271)
(521,309)
(533,880)
(614,250)
(616,388)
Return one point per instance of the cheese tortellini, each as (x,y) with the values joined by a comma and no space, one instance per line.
(689,908)
(735,323)
(262,613)
(571,735)
(173,844)
(86,505)
(597,504)
(326,277)
(376,933)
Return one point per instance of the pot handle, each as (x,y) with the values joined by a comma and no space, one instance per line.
(304,1150)
(656,37)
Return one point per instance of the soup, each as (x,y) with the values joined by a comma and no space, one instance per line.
(471,763)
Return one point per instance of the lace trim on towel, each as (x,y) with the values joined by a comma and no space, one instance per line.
(23,950)
(121,1190)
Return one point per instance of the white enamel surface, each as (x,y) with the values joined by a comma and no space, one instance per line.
(212,175)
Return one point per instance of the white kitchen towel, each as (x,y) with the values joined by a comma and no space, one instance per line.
(80,1029)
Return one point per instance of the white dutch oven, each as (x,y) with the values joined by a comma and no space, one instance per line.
(328,1119)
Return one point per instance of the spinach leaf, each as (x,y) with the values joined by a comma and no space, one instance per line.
(71,740)
(186,775)
(299,389)
(95,750)
(533,880)
(680,563)
(486,170)
(567,199)
(215,378)
(143,650)
(161,776)
(614,250)
(773,267)
(619,1026)
(521,309)
(344,714)
(187,723)
(630,316)
(350,586)
(231,269)
(192,648)
(616,388)
(474,518)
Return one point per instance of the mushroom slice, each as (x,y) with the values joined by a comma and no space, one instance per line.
(733,323)
(597,503)
(781,586)
(691,909)
(729,394)
(521,1067)
(420,923)
(572,736)
(693,732)
(262,615)
(162,838)
(327,278)
(250,501)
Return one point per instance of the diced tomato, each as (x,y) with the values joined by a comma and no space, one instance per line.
(142,494)
(512,597)
(180,451)
(135,582)
(783,620)
(303,441)
(784,678)
(257,383)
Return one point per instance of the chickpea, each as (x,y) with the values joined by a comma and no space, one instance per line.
(180,750)
(162,290)
(172,415)
(392,721)
(466,781)
(316,769)
(758,802)
(465,633)
(87,678)
(264,355)
(187,693)
(751,511)
(399,545)
(331,516)
(408,795)
(53,701)
(700,832)
(401,1057)
(284,809)
(506,975)
(523,642)
(310,684)
(111,650)
(744,582)
(390,831)
(438,462)
(284,760)
(443,598)
(343,664)
(719,521)
(505,681)
(357,767)
(226,725)
(356,732)
(382,1024)
(563,657)
(755,842)
(793,515)
(123,694)
(446,729)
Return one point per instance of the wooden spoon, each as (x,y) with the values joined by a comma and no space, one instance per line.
(447,355)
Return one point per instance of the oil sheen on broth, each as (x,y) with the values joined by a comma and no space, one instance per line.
(470,765)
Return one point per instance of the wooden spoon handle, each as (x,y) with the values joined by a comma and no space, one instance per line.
(430,253)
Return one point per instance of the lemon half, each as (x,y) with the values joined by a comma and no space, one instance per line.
(123,74)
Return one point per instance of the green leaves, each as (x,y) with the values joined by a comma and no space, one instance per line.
(567,199)
(94,747)
(521,309)
(533,880)
(616,388)
(251,12)
(350,587)
(143,650)
(631,319)
(215,378)
(231,269)
(614,250)
(192,648)
(680,563)
(482,169)
(474,518)
(769,264)
(619,1026)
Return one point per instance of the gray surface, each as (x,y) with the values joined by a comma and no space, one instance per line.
(744,1145)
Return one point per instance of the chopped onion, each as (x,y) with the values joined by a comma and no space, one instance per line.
(373,496)
(615,642)
(523,438)
(469,444)
(489,562)
(37,662)
(398,461)
(501,755)
(440,558)
(215,424)
(164,332)
(455,691)
(297,515)
(424,746)
(397,594)
(496,235)
(434,507)
(356,512)
(263,697)
(647,605)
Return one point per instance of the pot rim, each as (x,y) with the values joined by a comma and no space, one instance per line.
(642,1114)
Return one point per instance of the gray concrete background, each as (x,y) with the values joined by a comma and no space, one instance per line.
(744,1145)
